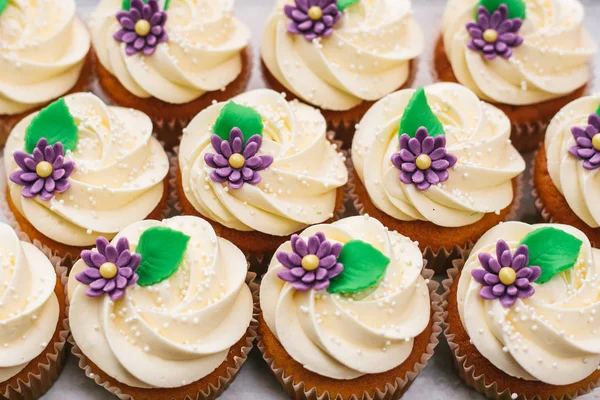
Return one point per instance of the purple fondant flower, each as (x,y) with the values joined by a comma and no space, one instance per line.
(110,269)
(312,264)
(495,34)
(237,162)
(587,140)
(312,18)
(423,159)
(44,172)
(142,27)
(506,277)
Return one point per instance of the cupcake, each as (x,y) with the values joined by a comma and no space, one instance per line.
(33,330)
(438,166)
(342,55)
(170,59)
(521,313)
(528,58)
(45,50)
(566,166)
(260,168)
(79,169)
(347,312)
(162,311)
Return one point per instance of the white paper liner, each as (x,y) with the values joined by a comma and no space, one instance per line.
(208,393)
(466,370)
(36,385)
(393,390)
(539,205)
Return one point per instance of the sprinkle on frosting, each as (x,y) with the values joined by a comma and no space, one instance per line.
(43,173)
(110,269)
(312,18)
(142,27)
(587,147)
(494,34)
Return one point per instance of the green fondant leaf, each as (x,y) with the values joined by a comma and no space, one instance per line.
(166,4)
(126,5)
(516,8)
(343,4)
(3,4)
(56,124)
(553,250)
(364,266)
(418,114)
(235,115)
(162,250)
(598,111)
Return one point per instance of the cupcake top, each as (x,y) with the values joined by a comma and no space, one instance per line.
(43,47)
(518,52)
(261,163)
(437,154)
(573,151)
(336,54)
(528,298)
(346,299)
(175,54)
(29,308)
(79,169)
(161,305)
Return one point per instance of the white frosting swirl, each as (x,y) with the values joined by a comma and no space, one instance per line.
(203,52)
(550,337)
(29,308)
(367,56)
(553,61)
(177,331)
(578,185)
(343,337)
(297,190)
(118,177)
(477,133)
(43,47)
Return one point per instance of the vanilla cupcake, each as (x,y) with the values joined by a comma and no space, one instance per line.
(260,168)
(79,169)
(437,165)
(521,313)
(33,331)
(44,48)
(170,59)
(346,312)
(341,56)
(528,58)
(163,310)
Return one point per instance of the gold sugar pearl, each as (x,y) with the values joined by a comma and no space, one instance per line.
(490,35)
(310,262)
(142,27)
(108,270)
(237,160)
(44,169)
(507,276)
(596,141)
(315,13)
(423,161)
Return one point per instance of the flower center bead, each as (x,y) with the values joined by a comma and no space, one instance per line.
(108,270)
(310,262)
(490,35)
(596,141)
(423,161)
(142,27)
(315,13)
(236,160)
(507,276)
(44,169)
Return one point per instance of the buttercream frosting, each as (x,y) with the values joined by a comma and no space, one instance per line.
(347,336)
(203,53)
(298,189)
(553,60)
(118,176)
(29,308)
(477,133)
(43,47)
(550,336)
(366,57)
(578,185)
(175,332)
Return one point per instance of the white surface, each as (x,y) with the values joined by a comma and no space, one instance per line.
(255,381)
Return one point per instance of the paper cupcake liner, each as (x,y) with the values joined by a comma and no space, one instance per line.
(209,393)
(393,390)
(466,369)
(539,205)
(441,259)
(47,371)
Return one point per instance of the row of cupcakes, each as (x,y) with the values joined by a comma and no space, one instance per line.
(347,310)
(173,58)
